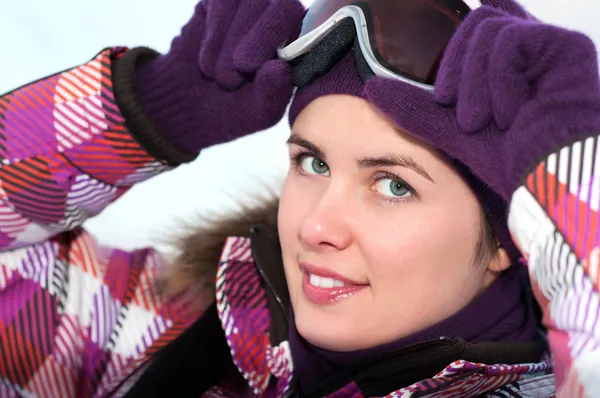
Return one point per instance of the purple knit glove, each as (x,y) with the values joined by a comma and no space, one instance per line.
(509,91)
(221,79)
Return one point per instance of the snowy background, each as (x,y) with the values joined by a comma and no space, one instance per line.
(41,37)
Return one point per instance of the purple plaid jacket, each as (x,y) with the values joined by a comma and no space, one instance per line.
(77,318)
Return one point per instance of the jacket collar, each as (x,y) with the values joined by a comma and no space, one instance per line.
(243,307)
(252,303)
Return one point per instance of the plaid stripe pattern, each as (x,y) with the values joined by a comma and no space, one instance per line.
(554,218)
(76,318)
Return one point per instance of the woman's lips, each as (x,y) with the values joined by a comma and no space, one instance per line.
(325,287)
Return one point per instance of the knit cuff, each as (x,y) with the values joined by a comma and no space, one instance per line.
(141,122)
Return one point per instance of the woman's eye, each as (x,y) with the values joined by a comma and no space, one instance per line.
(313,165)
(393,188)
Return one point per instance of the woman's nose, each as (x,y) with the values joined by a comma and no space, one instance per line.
(325,227)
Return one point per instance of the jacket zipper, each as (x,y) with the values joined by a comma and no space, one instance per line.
(265,278)
(269,286)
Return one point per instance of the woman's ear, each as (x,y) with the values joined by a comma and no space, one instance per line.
(499,263)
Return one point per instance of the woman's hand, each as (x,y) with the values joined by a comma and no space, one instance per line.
(221,78)
(510,89)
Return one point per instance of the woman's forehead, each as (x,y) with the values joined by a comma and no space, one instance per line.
(346,123)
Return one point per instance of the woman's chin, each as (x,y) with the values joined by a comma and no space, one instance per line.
(334,332)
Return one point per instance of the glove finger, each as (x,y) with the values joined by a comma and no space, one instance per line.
(278,24)
(271,93)
(449,75)
(509,6)
(509,84)
(413,110)
(561,49)
(246,16)
(474,105)
(219,17)
(192,33)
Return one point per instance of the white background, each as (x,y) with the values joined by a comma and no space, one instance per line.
(40,37)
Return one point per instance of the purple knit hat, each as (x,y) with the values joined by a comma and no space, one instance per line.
(343,78)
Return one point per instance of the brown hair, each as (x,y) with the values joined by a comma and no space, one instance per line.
(487,245)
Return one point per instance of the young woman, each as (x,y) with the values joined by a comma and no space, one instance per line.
(395,262)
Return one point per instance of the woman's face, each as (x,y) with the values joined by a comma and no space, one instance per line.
(378,233)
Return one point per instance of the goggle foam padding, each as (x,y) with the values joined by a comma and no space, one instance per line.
(331,49)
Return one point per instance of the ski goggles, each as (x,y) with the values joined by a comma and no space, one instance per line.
(399,39)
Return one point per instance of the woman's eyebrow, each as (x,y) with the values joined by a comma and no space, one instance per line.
(297,140)
(391,160)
